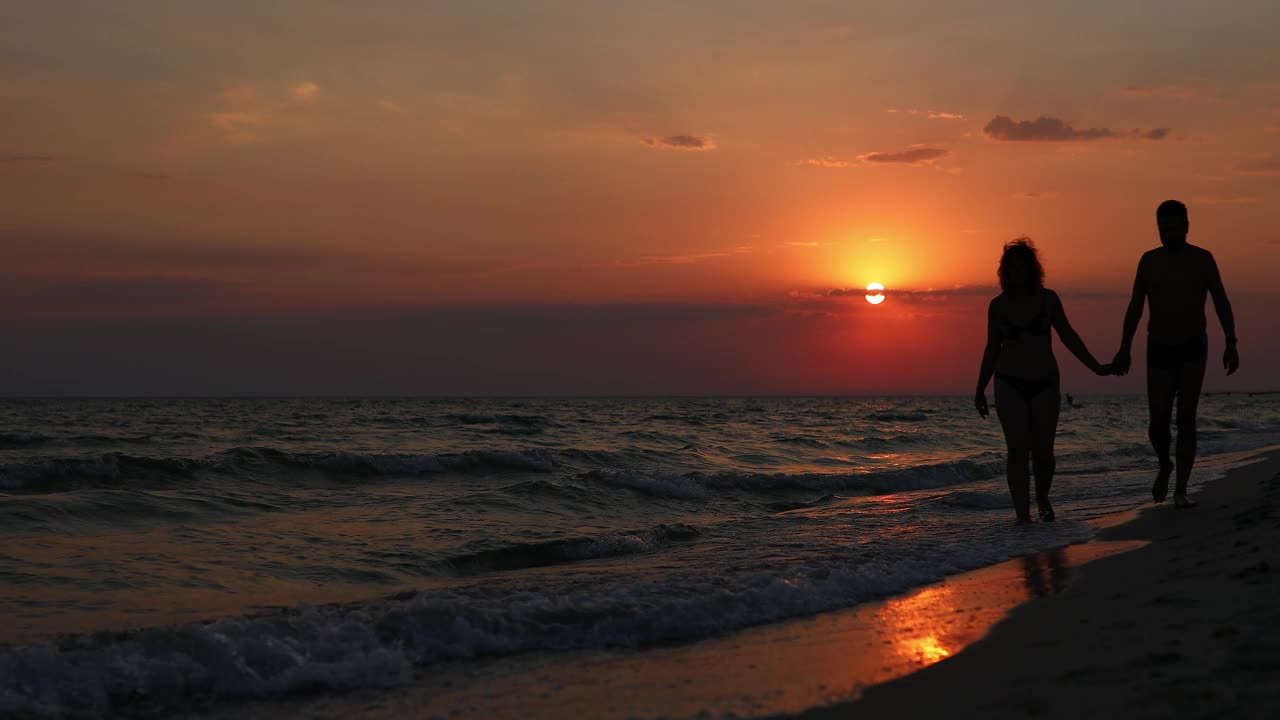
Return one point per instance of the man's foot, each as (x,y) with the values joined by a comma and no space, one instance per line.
(1025,520)
(1181,501)
(1160,488)
(1046,511)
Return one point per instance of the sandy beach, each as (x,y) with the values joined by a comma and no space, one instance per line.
(1187,626)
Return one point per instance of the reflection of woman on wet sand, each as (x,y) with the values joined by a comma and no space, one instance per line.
(1019,353)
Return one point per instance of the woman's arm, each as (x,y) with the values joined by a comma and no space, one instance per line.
(989,355)
(1070,338)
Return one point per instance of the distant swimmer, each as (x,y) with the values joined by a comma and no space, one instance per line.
(1174,280)
(1070,401)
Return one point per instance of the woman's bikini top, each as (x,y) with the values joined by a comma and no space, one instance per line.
(1036,326)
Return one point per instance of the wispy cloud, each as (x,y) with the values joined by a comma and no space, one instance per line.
(13,157)
(1226,200)
(246,112)
(919,294)
(916,155)
(1263,165)
(681,142)
(1051,129)
(1173,91)
(931,114)
(1274,127)
(238,125)
(1035,194)
(240,94)
(828,163)
(689,258)
(305,92)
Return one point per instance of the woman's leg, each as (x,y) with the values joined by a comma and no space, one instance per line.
(1015,418)
(1044,432)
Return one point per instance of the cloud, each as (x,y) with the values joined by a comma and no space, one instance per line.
(305,92)
(681,142)
(237,125)
(1174,91)
(920,294)
(917,155)
(1035,195)
(1049,129)
(1263,165)
(1274,127)
(23,157)
(811,243)
(240,94)
(1042,129)
(931,114)
(1226,200)
(828,163)
(146,290)
(688,258)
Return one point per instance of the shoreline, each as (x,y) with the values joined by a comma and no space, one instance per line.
(1186,625)
(812,667)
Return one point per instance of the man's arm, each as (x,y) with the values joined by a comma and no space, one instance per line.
(1131,317)
(1230,358)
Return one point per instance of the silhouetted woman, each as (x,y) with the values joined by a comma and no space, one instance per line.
(1019,353)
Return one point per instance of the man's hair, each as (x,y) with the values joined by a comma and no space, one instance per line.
(1172,209)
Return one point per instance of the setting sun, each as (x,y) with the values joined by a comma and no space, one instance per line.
(875,293)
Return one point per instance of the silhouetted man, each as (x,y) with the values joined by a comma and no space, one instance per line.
(1174,279)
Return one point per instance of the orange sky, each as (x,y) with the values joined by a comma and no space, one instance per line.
(681,182)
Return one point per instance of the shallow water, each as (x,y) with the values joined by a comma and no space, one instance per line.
(456,529)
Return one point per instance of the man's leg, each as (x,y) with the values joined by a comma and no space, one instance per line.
(1190,380)
(1162,386)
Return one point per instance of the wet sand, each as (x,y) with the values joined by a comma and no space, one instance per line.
(1186,626)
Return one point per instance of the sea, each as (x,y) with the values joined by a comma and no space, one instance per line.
(159,554)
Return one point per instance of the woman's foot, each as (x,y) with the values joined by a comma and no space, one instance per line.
(1181,502)
(1024,520)
(1160,488)
(1046,511)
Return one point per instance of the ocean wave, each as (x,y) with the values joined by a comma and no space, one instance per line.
(497,418)
(378,643)
(523,556)
(898,416)
(62,474)
(701,486)
(20,440)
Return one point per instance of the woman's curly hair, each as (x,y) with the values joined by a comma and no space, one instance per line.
(1019,250)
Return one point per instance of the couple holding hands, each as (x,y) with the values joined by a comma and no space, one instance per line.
(1174,280)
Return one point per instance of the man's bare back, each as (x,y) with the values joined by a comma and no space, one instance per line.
(1174,280)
